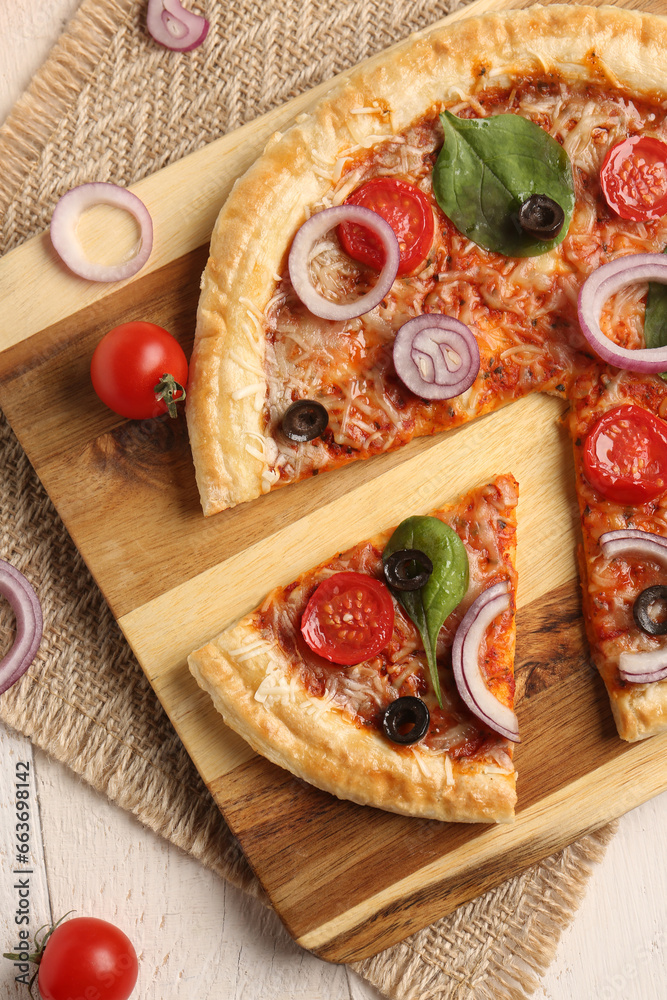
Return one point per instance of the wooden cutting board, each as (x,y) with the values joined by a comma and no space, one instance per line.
(347,881)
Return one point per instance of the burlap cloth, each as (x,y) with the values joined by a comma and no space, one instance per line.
(111,105)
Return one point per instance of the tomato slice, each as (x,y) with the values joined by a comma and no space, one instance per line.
(408,212)
(349,618)
(634,178)
(625,455)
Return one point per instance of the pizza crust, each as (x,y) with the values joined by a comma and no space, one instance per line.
(227,387)
(316,742)
(640,710)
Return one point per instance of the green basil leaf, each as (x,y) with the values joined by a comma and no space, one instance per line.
(485,171)
(655,317)
(429,606)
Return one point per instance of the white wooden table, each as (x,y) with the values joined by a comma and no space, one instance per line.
(198,939)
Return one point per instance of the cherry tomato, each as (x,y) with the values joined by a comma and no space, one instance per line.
(625,455)
(408,212)
(349,618)
(634,178)
(129,362)
(87,957)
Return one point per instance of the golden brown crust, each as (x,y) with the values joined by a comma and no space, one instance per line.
(318,744)
(640,710)
(230,448)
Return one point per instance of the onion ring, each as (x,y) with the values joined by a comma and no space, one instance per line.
(65,219)
(313,230)
(649,666)
(465,661)
(599,287)
(643,668)
(170,25)
(634,542)
(423,351)
(27,610)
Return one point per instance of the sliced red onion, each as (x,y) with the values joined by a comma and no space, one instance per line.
(174,27)
(313,230)
(65,219)
(643,668)
(436,356)
(599,287)
(634,542)
(465,660)
(26,607)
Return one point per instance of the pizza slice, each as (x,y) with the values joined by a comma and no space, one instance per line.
(479,147)
(618,423)
(360,676)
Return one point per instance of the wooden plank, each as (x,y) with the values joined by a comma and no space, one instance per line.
(173,579)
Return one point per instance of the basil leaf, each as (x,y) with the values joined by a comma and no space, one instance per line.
(485,171)
(655,317)
(429,606)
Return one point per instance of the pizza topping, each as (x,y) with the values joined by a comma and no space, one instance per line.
(349,618)
(634,542)
(599,288)
(171,25)
(486,170)
(643,668)
(65,219)
(429,606)
(655,317)
(633,178)
(437,357)
(407,569)
(23,600)
(304,248)
(406,720)
(523,311)
(625,455)
(541,217)
(643,607)
(304,420)
(408,212)
(466,653)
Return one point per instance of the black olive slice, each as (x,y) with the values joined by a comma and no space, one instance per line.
(641,610)
(407,569)
(304,420)
(541,217)
(405,720)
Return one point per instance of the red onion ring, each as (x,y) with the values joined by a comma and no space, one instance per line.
(649,666)
(170,25)
(313,230)
(634,542)
(26,607)
(465,661)
(422,356)
(599,287)
(643,668)
(65,219)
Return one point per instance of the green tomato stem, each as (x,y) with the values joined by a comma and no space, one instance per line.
(166,390)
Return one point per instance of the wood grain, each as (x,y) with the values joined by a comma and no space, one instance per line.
(346,881)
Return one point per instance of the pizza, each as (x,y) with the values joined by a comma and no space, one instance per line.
(330,677)
(620,445)
(468,219)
